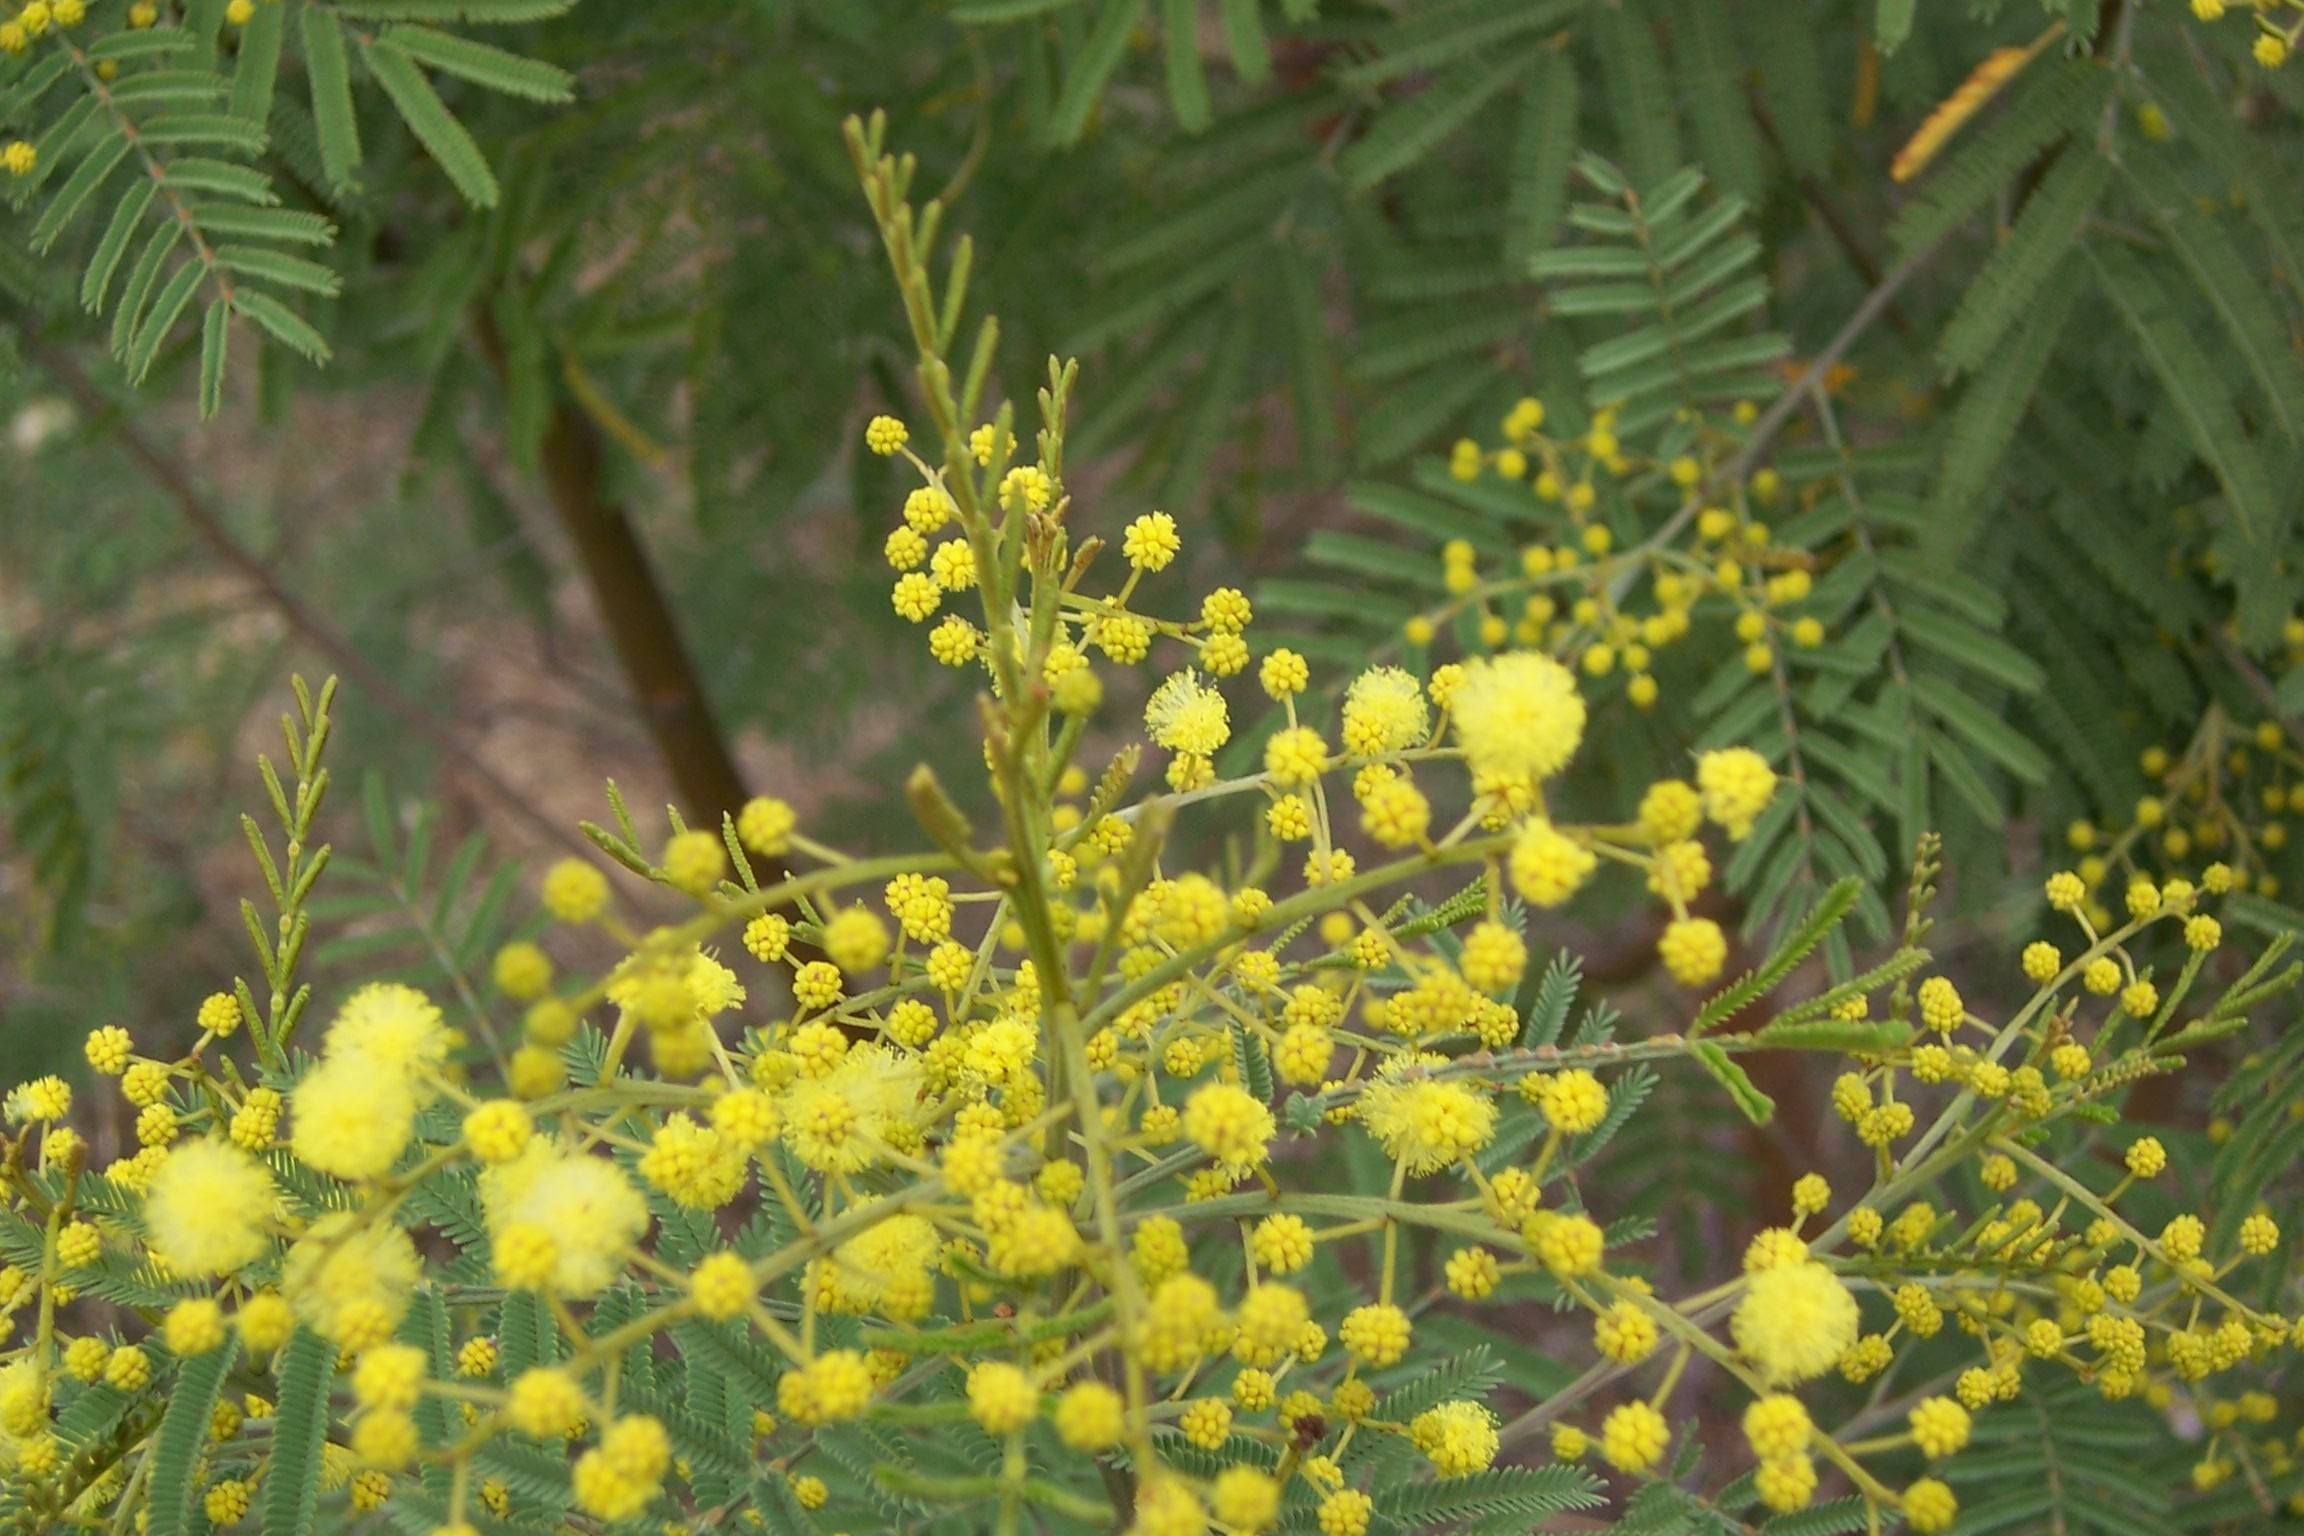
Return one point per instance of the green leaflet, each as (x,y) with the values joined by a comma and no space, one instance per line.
(1681,268)
(1985,421)
(1892,23)
(428,117)
(1794,947)
(1982,729)
(524,1331)
(1857,1037)
(992,12)
(183,1431)
(1092,70)
(1547,1009)
(331,80)
(1312,364)
(502,12)
(2049,104)
(1524,1492)
(1836,1517)
(2025,261)
(1544,147)
(481,64)
(1782,38)
(1726,140)
(174,297)
(99,163)
(2210,256)
(258,67)
(1639,91)
(1244,37)
(1435,36)
(282,323)
(1412,127)
(278,267)
(306,1367)
(2193,387)
(1254,1064)
(1979,651)
(1757,1106)
(1187,76)
(215,336)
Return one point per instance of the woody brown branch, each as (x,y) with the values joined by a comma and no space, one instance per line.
(666,690)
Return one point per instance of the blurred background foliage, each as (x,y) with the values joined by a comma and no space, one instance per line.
(604,303)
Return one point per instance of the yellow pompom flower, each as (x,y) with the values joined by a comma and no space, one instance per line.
(1568,1245)
(2146,1157)
(1230,1125)
(1670,812)
(1939,1426)
(574,891)
(193,1327)
(1494,957)
(1458,1437)
(108,1050)
(1737,785)
(1929,1507)
(1786,1483)
(1573,1101)
(498,1131)
(1282,1243)
(1548,866)
(205,1210)
(1634,1437)
(856,939)
(836,1385)
(128,1370)
(1376,1334)
(1245,1498)
(1151,542)
(1384,711)
(620,1477)
(1777,1426)
(1268,1324)
(1517,714)
(220,1014)
(389,1376)
(1184,715)
(388,1029)
(722,1285)
(584,1207)
(1345,1512)
(351,1120)
(349,1281)
(1426,1124)
(1090,1416)
(545,1403)
(1625,1333)
(1693,949)
(1795,1321)
(1001,1398)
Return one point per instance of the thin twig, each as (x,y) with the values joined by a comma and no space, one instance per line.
(1819,199)
(175,481)
(1780,410)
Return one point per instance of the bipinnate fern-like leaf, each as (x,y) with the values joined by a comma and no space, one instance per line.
(306,1368)
(183,1431)
(158,139)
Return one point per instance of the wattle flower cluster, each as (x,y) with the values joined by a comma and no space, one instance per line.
(1143,1163)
